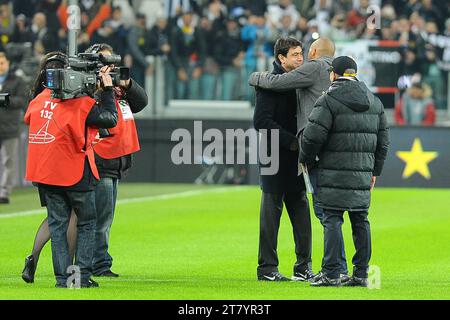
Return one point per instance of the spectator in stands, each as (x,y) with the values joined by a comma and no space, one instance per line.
(285,29)
(7,22)
(256,7)
(338,30)
(311,35)
(173,9)
(210,26)
(109,35)
(356,18)
(416,106)
(447,27)
(137,48)
(22,32)
(257,36)
(411,65)
(158,38)
(42,35)
(305,8)
(50,8)
(229,54)
(387,30)
(9,126)
(277,12)
(430,12)
(27,8)
(120,30)
(188,55)
(158,44)
(403,30)
(433,76)
(127,12)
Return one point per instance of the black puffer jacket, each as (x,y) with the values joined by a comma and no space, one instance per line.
(347,129)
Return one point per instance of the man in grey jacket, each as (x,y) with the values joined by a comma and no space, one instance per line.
(311,79)
(348,131)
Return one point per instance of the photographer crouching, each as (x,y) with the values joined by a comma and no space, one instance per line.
(61,162)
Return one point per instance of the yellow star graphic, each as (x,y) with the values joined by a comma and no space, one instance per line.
(417,160)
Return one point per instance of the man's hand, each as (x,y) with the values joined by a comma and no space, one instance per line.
(165,48)
(149,70)
(372,184)
(182,75)
(197,73)
(125,84)
(106,80)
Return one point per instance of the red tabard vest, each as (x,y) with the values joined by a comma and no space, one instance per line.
(124,139)
(57,140)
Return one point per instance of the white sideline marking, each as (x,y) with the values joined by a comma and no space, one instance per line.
(169,196)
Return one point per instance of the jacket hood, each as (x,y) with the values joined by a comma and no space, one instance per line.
(353,94)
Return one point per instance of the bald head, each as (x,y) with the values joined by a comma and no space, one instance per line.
(321,47)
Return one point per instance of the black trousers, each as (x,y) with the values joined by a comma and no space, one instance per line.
(332,222)
(298,209)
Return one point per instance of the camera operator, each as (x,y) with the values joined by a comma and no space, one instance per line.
(110,170)
(61,161)
(9,126)
(113,157)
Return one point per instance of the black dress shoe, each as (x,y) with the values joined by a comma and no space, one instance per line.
(29,269)
(107,273)
(4,200)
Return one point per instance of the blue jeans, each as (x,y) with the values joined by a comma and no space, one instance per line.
(332,259)
(189,89)
(59,206)
(209,86)
(319,212)
(105,202)
(230,83)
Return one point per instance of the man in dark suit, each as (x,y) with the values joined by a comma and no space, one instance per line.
(277,111)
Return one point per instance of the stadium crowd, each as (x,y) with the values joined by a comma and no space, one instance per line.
(211,46)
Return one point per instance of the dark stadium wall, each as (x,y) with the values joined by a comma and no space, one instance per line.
(418,157)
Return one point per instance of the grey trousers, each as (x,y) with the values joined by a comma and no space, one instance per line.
(298,209)
(9,150)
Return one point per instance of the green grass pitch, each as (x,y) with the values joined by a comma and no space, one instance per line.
(199,242)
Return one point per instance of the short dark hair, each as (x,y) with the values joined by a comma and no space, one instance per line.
(283,45)
(96,48)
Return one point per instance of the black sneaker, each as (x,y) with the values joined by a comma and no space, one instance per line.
(324,281)
(307,275)
(90,284)
(356,282)
(29,269)
(344,278)
(4,200)
(107,273)
(273,276)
